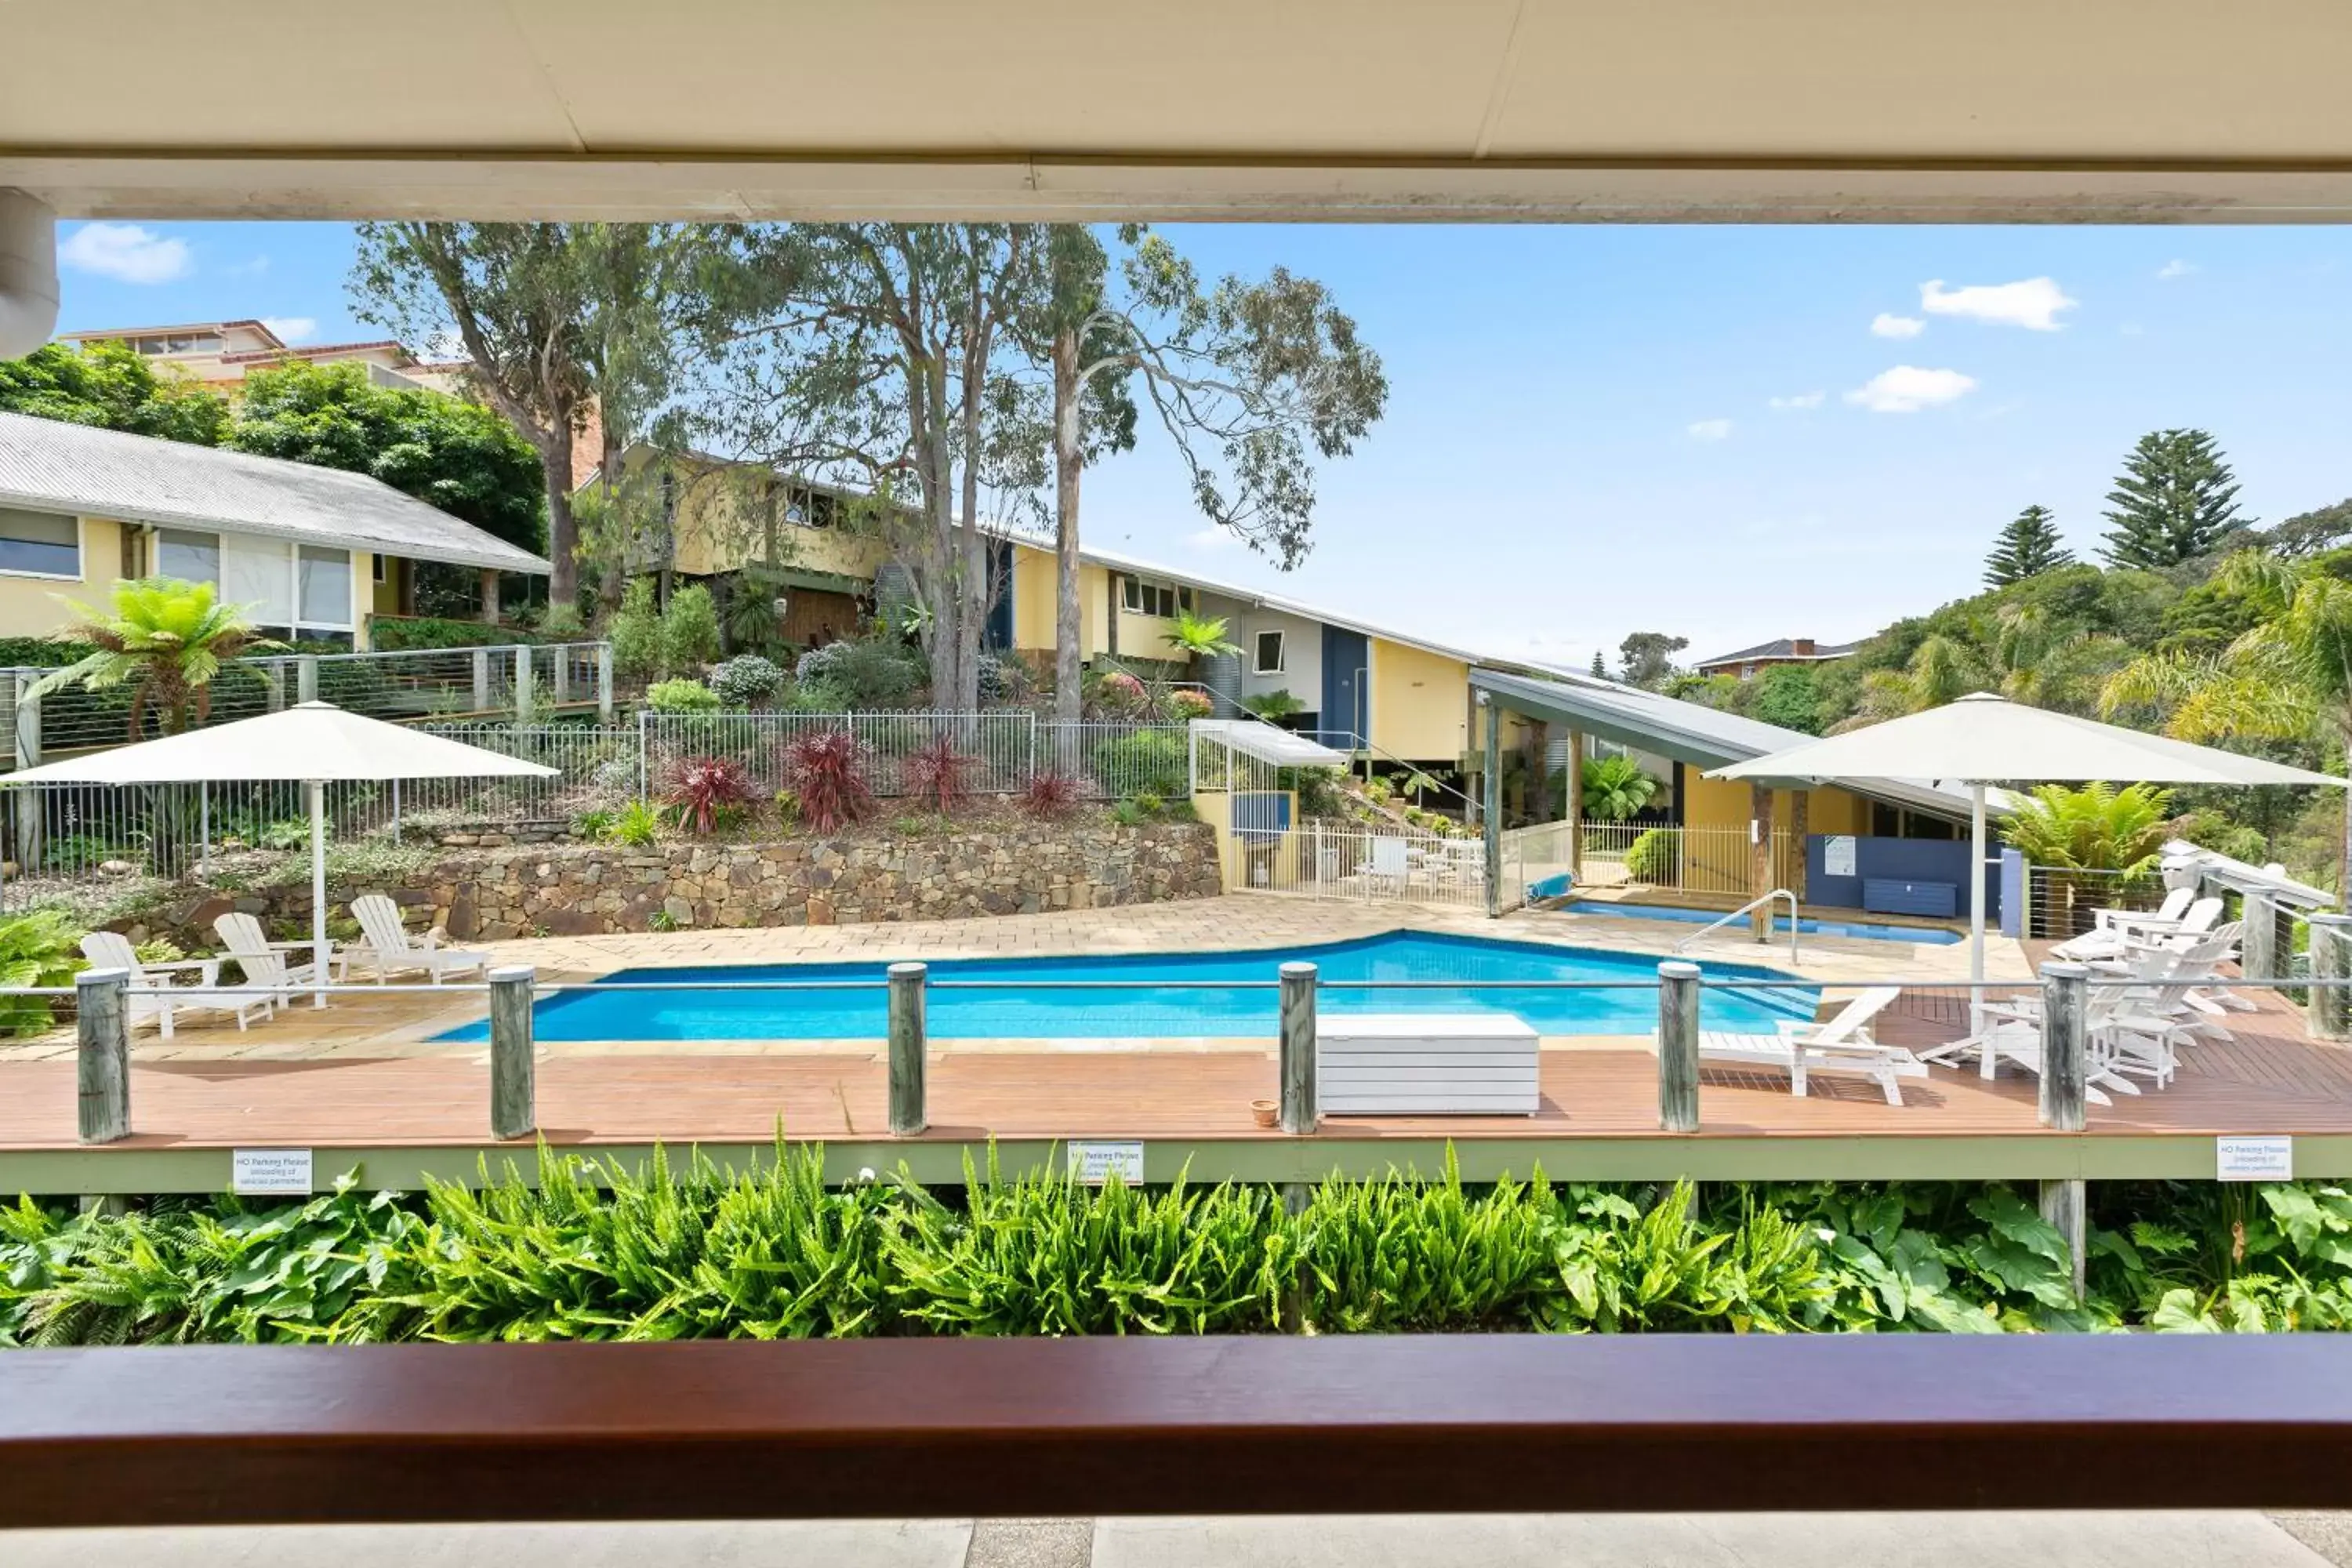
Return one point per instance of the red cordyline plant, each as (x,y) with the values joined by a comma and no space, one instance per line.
(937,774)
(825,768)
(1050,796)
(699,786)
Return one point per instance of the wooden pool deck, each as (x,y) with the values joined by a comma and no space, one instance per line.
(397,1108)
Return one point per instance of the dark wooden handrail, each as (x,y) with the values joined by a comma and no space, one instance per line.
(1109,1427)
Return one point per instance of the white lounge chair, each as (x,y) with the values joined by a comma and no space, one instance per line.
(390,950)
(2142,931)
(152,997)
(1842,1044)
(267,963)
(1388,860)
(2176,904)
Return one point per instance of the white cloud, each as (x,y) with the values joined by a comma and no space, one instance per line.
(1885,325)
(1710,429)
(2176,268)
(293,328)
(1210,538)
(1799,400)
(126,253)
(1906,389)
(2033,302)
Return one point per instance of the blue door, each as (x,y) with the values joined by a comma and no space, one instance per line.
(1347,658)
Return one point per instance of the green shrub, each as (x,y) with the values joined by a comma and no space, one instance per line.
(38,948)
(747,680)
(393,634)
(1654,856)
(636,633)
(681,696)
(862,673)
(1151,762)
(689,631)
(636,826)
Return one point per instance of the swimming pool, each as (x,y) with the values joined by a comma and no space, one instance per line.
(1178,995)
(1927,936)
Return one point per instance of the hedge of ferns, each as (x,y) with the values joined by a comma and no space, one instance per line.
(689,1251)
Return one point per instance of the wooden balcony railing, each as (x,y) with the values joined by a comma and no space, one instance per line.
(1109,1427)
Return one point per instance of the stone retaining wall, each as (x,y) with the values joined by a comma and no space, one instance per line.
(576,890)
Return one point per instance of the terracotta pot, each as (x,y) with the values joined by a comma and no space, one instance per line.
(1263,1113)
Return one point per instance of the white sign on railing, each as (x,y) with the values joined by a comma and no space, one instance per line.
(2253,1158)
(1095,1163)
(271,1172)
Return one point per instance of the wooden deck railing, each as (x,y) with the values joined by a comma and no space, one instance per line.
(1108,1427)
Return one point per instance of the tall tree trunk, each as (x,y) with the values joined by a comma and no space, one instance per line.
(1067,653)
(2344,862)
(972,586)
(562,528)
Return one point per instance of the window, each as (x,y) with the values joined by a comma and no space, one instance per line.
(325,586)
(1269,653)
(287,586)
(40,543)
(189,556)
(1161,599)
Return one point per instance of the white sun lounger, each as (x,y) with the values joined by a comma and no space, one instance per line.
(1842,1044)
(389,948)
(152,997)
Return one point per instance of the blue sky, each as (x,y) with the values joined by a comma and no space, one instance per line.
(1583,439)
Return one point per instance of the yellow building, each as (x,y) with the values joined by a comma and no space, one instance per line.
(311,551)
(221,354)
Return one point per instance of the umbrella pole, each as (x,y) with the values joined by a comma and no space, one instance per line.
(318,892)
(1977,920)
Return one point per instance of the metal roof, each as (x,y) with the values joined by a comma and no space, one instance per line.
(1686,732)
(49,465)
(1780,649)
(1256,738)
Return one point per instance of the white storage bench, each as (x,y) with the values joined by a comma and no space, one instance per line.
(1425,1064)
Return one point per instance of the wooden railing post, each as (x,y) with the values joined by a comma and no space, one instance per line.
(481,682)
(306,678)
(524,699)
(2066,999)
(2331,958)
(908,1114)
(1678,1046)
(1490,817)
(2262,955)
(514,1088)
(1301,1108)
(605,683)
(103,1028)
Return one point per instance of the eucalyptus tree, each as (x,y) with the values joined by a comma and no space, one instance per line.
(1250,380)
(563,325)
(869,354)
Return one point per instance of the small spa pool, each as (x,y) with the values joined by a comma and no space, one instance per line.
(1173,994)
(1926,936)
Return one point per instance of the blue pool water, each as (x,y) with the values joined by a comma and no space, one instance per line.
(1032,1007)
(1927,936)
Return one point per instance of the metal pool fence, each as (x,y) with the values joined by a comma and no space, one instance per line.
(1321,860)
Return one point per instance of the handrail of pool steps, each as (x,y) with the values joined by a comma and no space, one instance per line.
(103,1051)
(1762,901)
(235,1434)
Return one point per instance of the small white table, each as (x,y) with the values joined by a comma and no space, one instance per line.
(1425,1064)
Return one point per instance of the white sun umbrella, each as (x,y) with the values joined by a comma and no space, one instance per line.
(1982,740)
(314,744)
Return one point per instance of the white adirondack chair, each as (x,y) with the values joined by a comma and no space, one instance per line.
(266,962)
(152,999)
(2139,932)
(1842,1044)
(389,948)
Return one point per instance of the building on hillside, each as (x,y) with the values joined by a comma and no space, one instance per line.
(312,552)
(223,353)
(1747,663)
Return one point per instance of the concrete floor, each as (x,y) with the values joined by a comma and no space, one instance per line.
(1513,1540)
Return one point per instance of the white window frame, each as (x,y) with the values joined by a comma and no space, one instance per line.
(82,549)
(1133,592)
(293,549)
(1281,652)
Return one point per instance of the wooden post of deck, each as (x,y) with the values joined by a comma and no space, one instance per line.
(907,1113)
(1760,858)
(514,1086)
(2266,941)
(523,700)
(1575,806)
(102,1030)
(605,683)
(481,681)
(489,582)
(1800,826)
(32,804)
(2066,1008)
(1301,1108)
(2331,958)
(1491,816)
(2063,1205)
(1678,1045)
